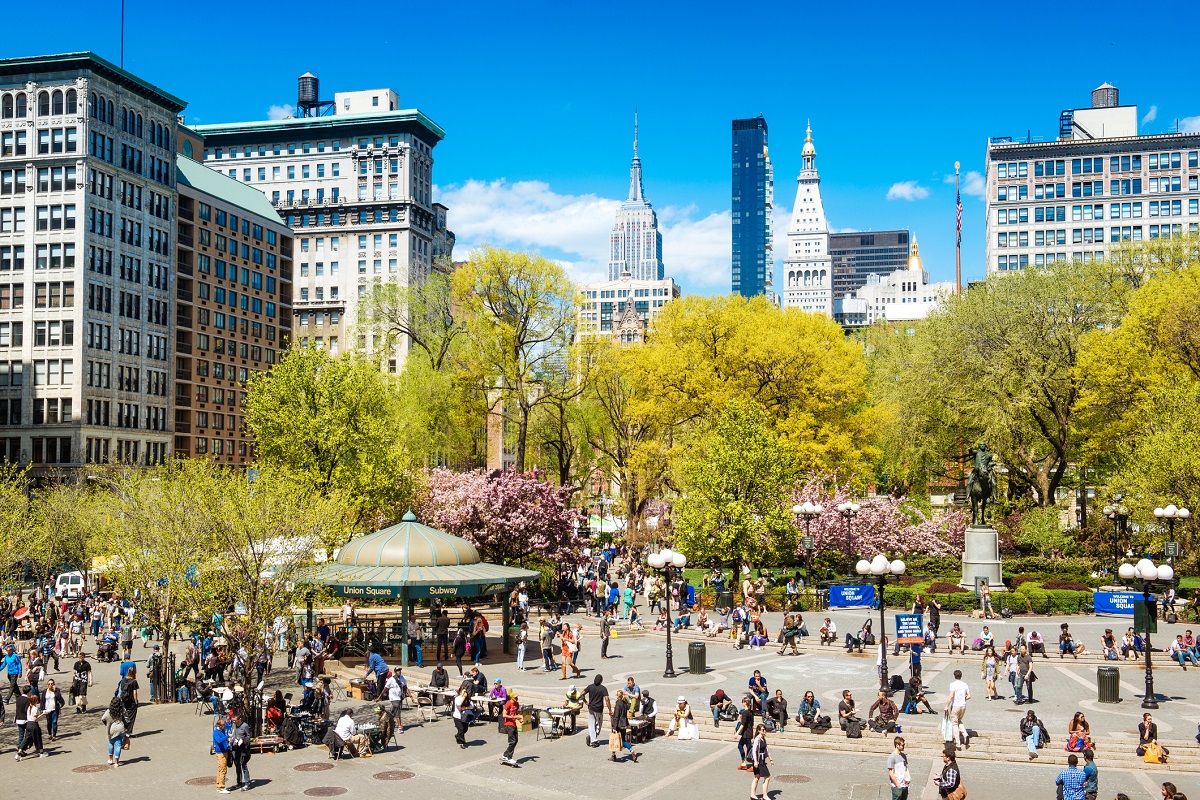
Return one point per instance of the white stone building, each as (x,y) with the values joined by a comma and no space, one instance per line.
(88,208)
(1098,184)
(807,268)
(356,188)
(902,296)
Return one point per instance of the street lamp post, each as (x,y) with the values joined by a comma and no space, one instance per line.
(1119,515)
(1170,514)
(667,562)
(1145,577)
(880,567)
(849,511)
(808,511)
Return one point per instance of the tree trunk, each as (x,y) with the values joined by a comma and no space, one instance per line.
(522,434)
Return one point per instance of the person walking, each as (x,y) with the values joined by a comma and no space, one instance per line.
(52,705)
(596,696)
(956,707)
(459,649)
(745,731)
(897,767)
(462,714)
(13,670)
(758,751)
(510,723)
(127,691)
(239,746)
(114,730)
(220,746)
(441,628)
(1071,779)
(81,679)
(620,728)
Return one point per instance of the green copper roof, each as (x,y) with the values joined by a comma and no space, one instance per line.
(34,67)
(213,183)
(294,126)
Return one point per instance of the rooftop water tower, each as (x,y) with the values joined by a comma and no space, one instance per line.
(308,97)
(1106,96)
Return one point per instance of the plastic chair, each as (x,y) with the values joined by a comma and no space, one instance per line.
(547,728)
(425,708)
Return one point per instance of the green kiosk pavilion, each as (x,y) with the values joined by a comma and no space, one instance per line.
(409,561)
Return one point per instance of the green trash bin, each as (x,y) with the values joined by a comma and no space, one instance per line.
(697,658)
(1109,681)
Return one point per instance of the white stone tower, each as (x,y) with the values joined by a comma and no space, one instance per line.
(807,269)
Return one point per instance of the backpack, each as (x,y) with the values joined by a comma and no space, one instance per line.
(769,724)
(854,728)
(486,627)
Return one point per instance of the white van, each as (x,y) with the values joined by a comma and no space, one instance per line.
(69,585)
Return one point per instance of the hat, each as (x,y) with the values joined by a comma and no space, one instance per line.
(497,681)
(155,647)
(571,688)
(682,699)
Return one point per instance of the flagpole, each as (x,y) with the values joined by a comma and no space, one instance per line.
(958,233)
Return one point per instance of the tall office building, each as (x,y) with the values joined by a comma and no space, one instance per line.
(1098,184)
(857,255)
(807,270)
(87,231)
(636,243)
(353,178)
(753,202)
(233,311)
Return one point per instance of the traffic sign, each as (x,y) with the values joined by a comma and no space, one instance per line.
(808,542)
(1171,549)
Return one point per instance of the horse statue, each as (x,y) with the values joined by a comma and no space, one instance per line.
(981,484)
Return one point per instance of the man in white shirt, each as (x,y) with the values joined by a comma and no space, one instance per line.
(347,731)
(898,774)
(397,689)
(956,707)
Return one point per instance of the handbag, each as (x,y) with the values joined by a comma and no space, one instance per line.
(612,634)
(959,792)
(1154,754)
(614,742)
(572,647)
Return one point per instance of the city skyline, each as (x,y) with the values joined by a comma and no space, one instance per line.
(559,190)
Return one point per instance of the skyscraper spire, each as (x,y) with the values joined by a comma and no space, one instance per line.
(635,170)
(636,243)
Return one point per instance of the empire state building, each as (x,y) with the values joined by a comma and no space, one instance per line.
(636,244)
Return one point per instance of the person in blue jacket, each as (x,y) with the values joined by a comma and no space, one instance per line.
(13,669)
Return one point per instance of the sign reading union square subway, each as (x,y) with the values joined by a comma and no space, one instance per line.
(395,592)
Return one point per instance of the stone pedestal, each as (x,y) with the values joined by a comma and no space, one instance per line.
(981,556)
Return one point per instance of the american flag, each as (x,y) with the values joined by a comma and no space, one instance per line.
(958,212)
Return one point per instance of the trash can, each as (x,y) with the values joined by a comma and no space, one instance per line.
(1109,681)
(697,658)
(725,600)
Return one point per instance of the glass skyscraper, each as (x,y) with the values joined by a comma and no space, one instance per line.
(753,199)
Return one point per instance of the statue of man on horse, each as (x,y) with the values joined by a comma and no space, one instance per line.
(981,484)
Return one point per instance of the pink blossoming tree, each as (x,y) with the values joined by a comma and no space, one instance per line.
(512,517)
(885,525)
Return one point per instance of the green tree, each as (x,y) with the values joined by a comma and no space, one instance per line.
(15,522)
(736,483)
(519,312)
(334,424)
(419,315)
(997,364)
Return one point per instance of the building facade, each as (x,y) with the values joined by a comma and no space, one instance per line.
(903,295)
(624,308)
(233,309)
(753,203)
(636,244)
(356,188)
(859,254)
(87,245)
(807,269)
(1098,184)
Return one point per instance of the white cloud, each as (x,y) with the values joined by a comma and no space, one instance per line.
(972,183)
(907,190)
(1150,115)
(1189,125)
(281,112)
(574,230)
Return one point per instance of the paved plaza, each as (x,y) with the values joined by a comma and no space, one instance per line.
(170,753)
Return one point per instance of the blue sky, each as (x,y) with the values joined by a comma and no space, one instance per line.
(537,100)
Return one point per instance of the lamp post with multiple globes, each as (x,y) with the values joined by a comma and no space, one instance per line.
(1145,576)
(808,511)
(668,562)
(880,567)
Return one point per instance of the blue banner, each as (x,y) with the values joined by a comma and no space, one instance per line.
(910,629)
(852,596)
(1119,603)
